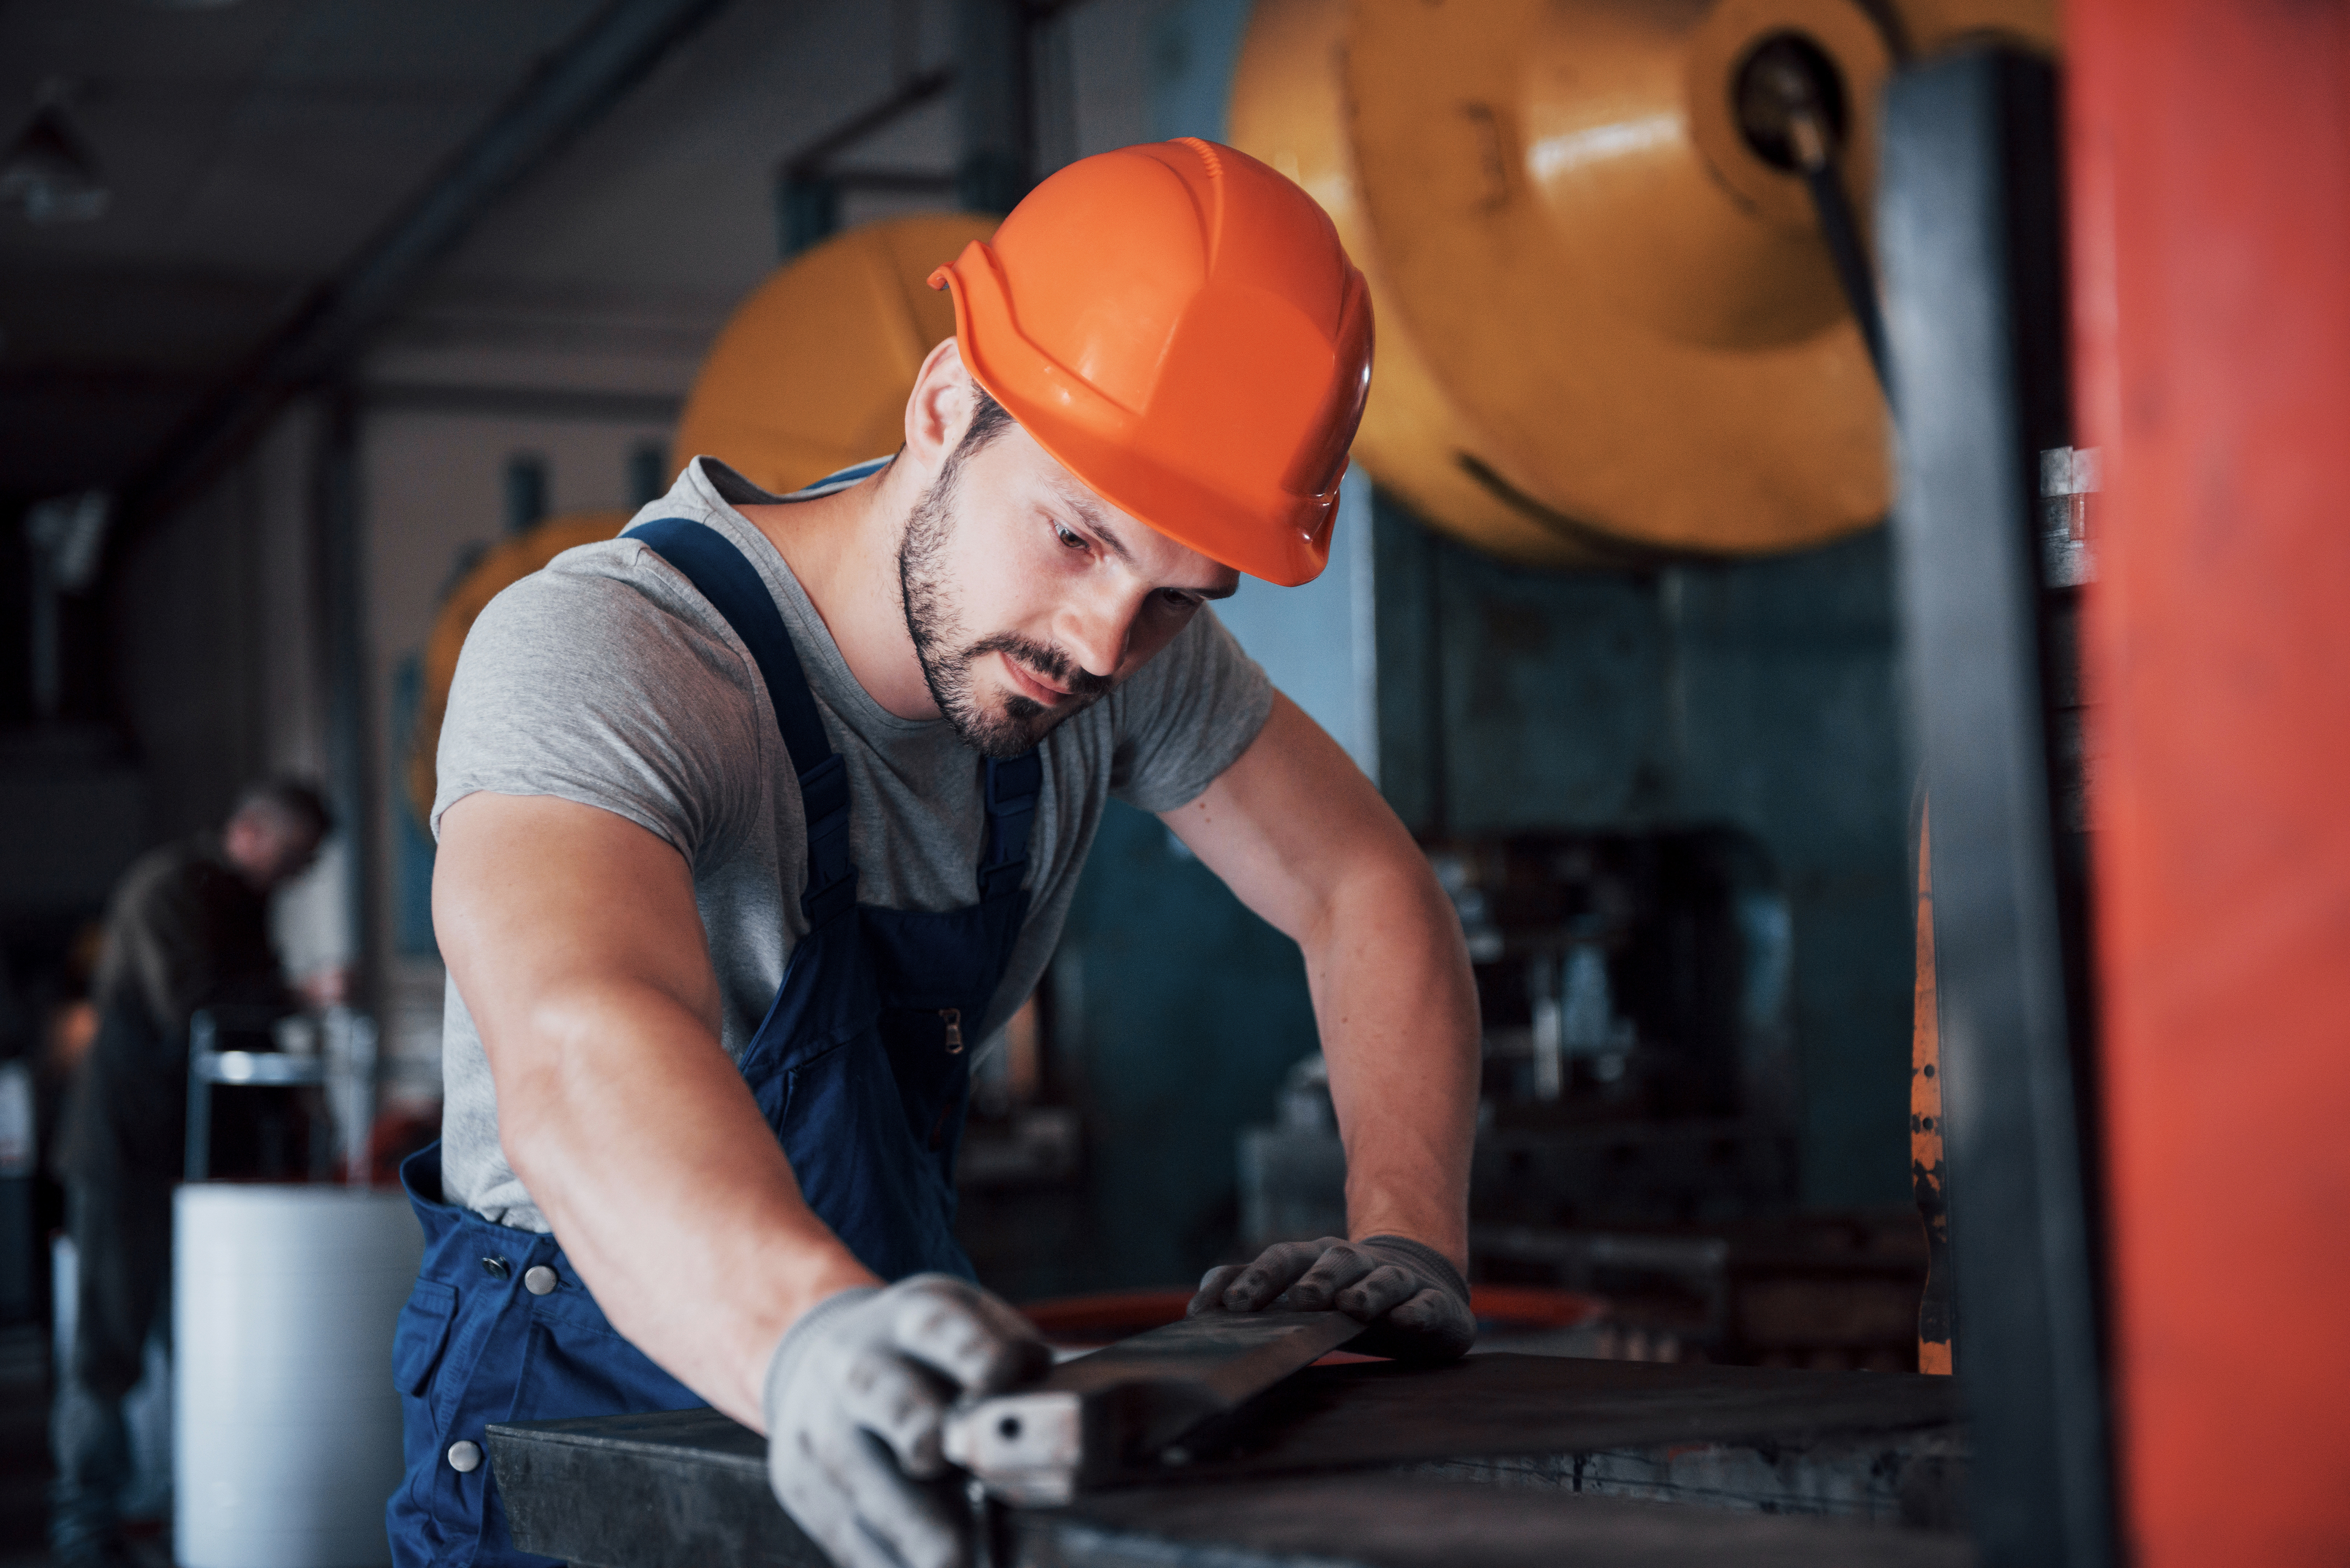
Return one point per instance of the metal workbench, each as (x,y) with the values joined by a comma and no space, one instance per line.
(1499,1460)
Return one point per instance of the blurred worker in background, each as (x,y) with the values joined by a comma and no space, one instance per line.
(188,928)
(755,819)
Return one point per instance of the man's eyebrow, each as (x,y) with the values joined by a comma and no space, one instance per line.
(1091,516)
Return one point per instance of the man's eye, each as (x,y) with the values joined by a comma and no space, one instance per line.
(1176,598)
(1074,540)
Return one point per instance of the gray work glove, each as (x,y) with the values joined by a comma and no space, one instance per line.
(855,1395)
(1414,1300)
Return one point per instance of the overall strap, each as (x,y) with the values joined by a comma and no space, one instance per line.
(736,591)
(1011,794)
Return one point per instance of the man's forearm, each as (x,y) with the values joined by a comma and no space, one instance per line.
(1295,829)
(1398,1012)
(637,1140)
(575,943)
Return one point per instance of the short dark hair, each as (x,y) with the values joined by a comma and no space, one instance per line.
(297,800)
(989,419)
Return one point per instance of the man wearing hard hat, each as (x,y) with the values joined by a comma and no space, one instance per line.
(753,818)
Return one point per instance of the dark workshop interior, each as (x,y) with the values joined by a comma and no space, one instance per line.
(1837,585)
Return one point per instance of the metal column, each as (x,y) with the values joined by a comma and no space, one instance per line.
(1969,234)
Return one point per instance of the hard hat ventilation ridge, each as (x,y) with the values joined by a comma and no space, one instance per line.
(1207,151)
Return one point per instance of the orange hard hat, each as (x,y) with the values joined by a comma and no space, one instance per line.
(1179,326)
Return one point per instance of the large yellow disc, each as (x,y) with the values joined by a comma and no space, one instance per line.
(1600,313)
(812,372)
(1287,110)
(1635,308)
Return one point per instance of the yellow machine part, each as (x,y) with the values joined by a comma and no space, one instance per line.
(811,372)
(1636,309)
(1937,27)
(1614,317)
(1287,108)
(502,565)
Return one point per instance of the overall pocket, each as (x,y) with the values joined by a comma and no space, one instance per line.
(418,1340)
(421,1335)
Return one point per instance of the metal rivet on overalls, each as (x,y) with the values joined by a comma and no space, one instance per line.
(538,1278)
(464,1458)
(497,1268)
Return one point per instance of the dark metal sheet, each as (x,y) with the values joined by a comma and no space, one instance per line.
(1385,1413)
(683,1489)
(1384,1522)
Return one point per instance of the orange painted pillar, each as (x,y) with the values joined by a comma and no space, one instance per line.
(1927,1172)
(2209,173)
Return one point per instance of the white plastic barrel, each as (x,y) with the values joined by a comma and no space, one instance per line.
(287,1427)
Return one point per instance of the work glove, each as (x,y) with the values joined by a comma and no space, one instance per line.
(856,1397)
(1413,1299)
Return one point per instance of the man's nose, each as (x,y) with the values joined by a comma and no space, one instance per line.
(1097,630)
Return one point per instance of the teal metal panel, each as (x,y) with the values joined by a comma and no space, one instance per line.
(1758,694)
(1175,1013)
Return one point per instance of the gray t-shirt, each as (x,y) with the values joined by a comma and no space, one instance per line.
(607,679)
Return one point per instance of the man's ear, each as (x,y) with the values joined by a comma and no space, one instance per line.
(939,406)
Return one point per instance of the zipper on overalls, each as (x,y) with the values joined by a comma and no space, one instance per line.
(953,1018)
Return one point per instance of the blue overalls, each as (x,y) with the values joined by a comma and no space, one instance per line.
(858,1067)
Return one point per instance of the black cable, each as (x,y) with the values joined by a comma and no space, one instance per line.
(1843,237)
(1794,113)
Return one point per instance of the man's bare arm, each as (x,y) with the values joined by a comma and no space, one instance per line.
(1299,833)
(574,939)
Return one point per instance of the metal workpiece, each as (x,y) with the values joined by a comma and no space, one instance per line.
(1124,1409)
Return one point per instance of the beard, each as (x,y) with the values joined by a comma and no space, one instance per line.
(950,654)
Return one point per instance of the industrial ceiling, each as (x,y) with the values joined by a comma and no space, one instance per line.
(247,152)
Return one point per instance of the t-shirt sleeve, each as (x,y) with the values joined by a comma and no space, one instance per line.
(578,683)
(1186,716)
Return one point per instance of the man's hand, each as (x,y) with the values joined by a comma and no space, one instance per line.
(857,1397)
(1415,1302)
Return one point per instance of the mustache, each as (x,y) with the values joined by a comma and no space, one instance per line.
(1050,663)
